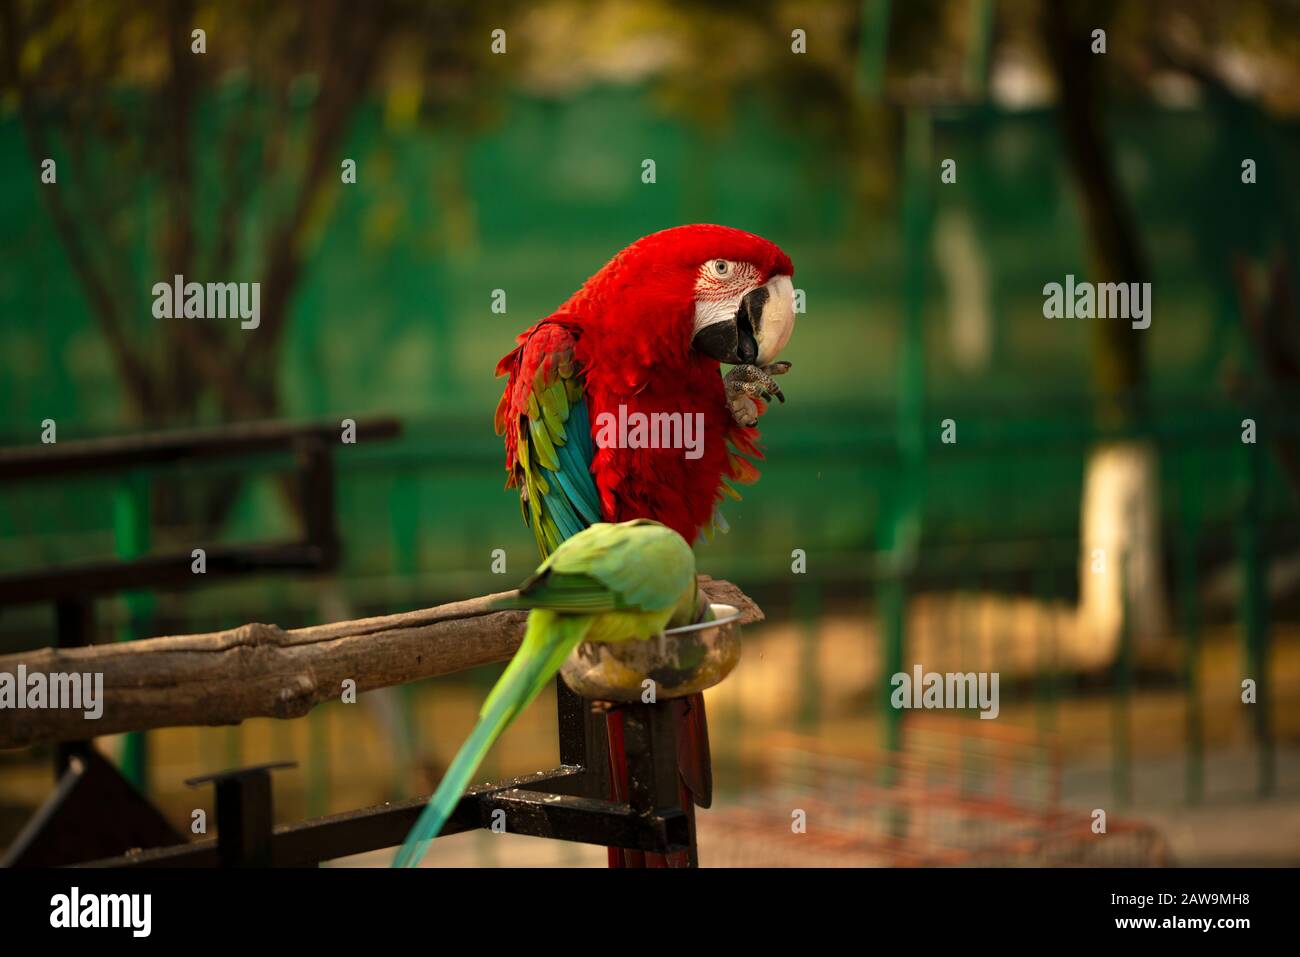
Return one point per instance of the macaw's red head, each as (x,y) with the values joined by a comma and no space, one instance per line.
(722,292)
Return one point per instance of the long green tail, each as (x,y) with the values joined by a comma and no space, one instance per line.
(547,642)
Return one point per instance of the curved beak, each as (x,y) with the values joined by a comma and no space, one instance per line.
(757,332)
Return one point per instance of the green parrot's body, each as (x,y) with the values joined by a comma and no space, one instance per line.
(607,583)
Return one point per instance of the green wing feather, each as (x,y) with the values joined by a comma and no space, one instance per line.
(638,565)
(554,454)
(647,568)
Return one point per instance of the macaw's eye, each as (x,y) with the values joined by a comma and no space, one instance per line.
(721,267)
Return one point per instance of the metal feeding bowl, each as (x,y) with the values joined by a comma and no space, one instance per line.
(680,662)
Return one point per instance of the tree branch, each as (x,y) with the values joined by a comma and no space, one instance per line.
(260,670)
(1119,358)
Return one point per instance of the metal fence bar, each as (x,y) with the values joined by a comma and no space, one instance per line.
(1189,508)
(1254,615)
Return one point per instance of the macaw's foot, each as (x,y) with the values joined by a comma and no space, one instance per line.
(745,383)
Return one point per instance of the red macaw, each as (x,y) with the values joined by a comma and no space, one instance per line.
(642,338)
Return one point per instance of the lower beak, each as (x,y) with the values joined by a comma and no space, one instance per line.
(758,331)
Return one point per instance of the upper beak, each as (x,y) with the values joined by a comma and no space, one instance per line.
(757,332)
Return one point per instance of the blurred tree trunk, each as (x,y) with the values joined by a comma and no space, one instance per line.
(1120,520)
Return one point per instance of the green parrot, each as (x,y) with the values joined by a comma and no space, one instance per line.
(607,583)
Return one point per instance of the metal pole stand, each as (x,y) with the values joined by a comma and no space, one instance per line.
(650,747)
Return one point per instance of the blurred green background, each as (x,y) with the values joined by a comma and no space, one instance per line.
(521,171)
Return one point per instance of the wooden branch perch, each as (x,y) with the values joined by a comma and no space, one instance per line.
(261,670)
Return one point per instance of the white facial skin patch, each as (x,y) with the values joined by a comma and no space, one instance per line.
(719,287)
(722,284)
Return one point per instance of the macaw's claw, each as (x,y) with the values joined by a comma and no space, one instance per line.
(745,383)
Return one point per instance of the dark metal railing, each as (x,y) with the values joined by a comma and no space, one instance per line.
(567,803)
